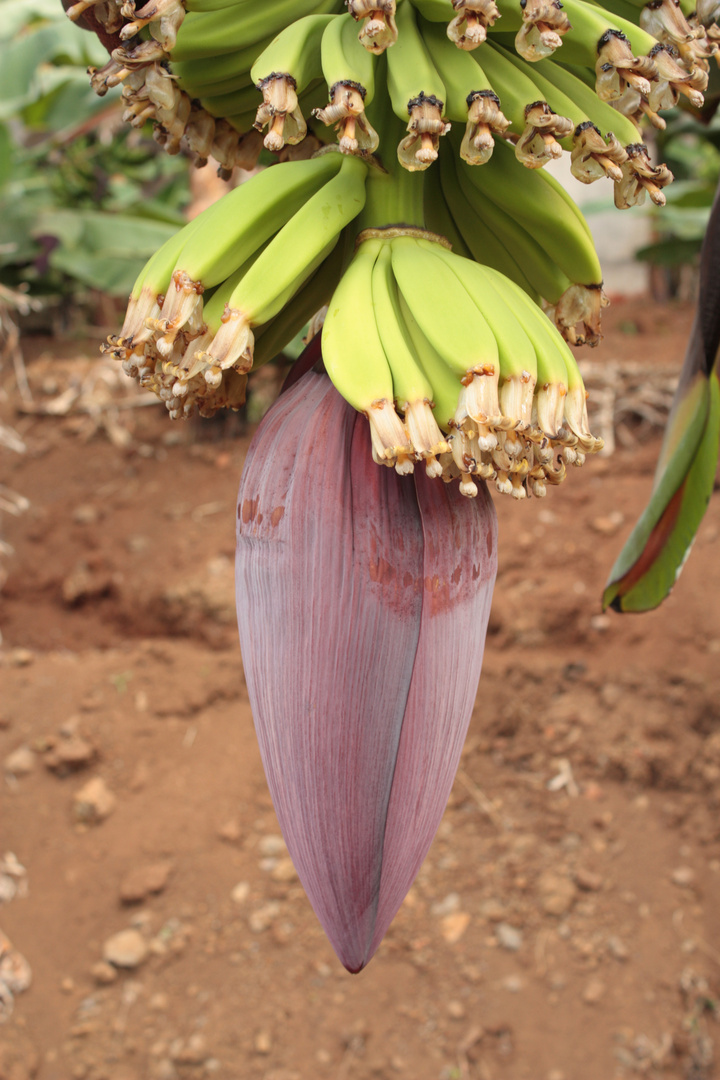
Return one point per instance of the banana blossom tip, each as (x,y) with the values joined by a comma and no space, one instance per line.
(363,599)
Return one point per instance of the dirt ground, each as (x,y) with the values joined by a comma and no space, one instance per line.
(565,925)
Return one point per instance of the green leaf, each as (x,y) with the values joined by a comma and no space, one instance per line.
(114,276)
(665,533)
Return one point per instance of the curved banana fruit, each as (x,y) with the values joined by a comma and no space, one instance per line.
(416,90)
(282,71)
(287,262)
(225,234)
(413,392)
(349,71)
(470,97)
(213,33)
(540,129)
(477,239)
(356,362)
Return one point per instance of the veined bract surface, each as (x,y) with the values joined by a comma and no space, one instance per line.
(363,599)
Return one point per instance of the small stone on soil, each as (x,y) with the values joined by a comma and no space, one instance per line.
(230,831)
(508,937)
(454,926)
(588,880)
(684,877)
(103,973)
(557,893)
(94,801)
(241,892)
(126,949)
(263,1042)
(594,992)
(20,762)
(144,880)
(272,845)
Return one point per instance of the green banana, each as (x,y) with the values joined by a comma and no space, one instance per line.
(446,385)
(349,71)
(272,336)
(413,391)
(541,205)
(147,294)
(541,269)
(213,33)
(224,235)
(456,329)
(356,362)
(416,90)
(518,363)
(289,65)
(437,210)
(476,237)
(294,52)
(287,262)
(232,104)
(539,127)
(197,76)
(470,97)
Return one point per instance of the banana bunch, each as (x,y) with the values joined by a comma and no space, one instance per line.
(259,262)
(410,195)
(458,368)
(222,78)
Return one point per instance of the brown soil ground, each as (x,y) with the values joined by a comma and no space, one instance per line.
(566,924)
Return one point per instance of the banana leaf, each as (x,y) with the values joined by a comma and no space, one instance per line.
(650,562)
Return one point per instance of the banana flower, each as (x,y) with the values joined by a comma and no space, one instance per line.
(363,599)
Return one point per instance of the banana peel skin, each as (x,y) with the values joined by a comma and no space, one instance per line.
(363,599)
(651,561)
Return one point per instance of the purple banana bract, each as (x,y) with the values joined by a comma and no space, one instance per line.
(363,599)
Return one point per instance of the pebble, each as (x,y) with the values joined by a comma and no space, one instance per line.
(447,906)
(144,880)
(508,937)
(594,992)
(20,762)
(103,973)
(241,892)
(190,1052)
(262,918)
(456,1010)
(86,514)
(263,1042)
(617,948)
(588,880)
(230,831)
(557,894)
(513,984)
(609,524)
(684,877)
(72,752)
(94,801)
(284,871)
(126,949)
(272,845)
(454,926)
(493,910)
(19,657)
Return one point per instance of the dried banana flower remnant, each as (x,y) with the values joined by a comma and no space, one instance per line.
(639,177)
(544,24)
(485,119)
(538,143)
(346,112)
(469,27)
(280,112)
(379,30)
(420,148)
(593,156)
